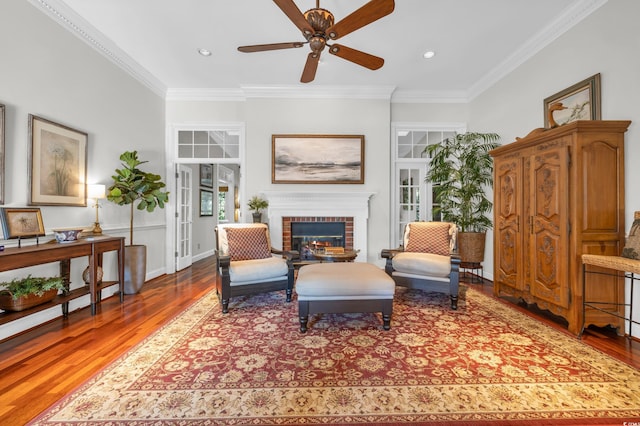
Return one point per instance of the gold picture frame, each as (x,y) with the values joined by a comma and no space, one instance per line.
(21,222)
(57,164)
(579,102)
(315,159)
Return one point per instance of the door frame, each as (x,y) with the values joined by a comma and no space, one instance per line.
(172,161)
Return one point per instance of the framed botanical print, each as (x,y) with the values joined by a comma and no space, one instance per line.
(206,175)
(57,164)
(21,222)
(206,203)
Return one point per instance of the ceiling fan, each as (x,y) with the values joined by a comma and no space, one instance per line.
(318,27)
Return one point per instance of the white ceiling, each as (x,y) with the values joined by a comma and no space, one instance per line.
(476,42)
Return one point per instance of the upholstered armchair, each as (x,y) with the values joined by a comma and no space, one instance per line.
(247,264)
(427,260)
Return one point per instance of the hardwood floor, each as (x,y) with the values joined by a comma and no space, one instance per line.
(41,366)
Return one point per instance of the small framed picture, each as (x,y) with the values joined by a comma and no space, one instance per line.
(578,102)
(58,164)
(206,175)
(21,222)
(206,203)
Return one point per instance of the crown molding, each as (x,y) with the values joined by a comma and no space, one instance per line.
(429,97)
(318,92)
(78,26)
(563,23)
(211,95)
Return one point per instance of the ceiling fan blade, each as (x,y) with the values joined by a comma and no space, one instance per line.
(368,13)
(274,46)
(295,15)
(309,72)
(356,56)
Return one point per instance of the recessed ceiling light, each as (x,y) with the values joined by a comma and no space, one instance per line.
(429,54)
(204,52)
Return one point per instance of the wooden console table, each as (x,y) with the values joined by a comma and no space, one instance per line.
(20,257)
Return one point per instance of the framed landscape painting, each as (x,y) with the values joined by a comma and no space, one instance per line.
(578,102)
(58,164)
(331,159)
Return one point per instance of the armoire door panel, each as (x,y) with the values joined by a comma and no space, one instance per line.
(508,211)
(600,174)
(549,249)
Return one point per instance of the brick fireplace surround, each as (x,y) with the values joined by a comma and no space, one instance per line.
(349,207)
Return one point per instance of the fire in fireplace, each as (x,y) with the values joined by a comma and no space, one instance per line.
(306,236)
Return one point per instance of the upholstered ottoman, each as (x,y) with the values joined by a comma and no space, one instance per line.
(342,288)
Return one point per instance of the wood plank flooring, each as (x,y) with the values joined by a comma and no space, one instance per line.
(41,366)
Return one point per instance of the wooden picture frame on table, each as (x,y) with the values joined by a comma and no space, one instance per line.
(578,102)
(57,164)
(21,222)
(317,159)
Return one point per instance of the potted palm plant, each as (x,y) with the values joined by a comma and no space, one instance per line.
(462,169)
(133,186)
(257,205)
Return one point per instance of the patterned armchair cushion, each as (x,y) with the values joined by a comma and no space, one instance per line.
(248,243)
(428,237)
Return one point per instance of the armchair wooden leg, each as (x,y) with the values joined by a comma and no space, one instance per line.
(454,302)
(289,294)
(225,306)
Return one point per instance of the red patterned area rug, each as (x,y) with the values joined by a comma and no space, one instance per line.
(485,363)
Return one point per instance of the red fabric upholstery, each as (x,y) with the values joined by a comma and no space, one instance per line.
(429,237)
(248,243)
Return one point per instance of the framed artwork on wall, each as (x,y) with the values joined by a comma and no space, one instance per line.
(578,102)
(57,164)
(206,203)
(206,175)
(21,222)
(1,154)
(337,159)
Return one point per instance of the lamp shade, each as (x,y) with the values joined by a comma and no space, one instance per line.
(96,191)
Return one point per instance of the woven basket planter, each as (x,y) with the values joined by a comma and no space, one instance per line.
(471,246)
(8,303)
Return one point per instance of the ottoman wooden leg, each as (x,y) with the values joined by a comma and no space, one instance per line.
(303,314)
(386,315)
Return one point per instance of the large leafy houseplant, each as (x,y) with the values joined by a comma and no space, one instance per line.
(462,169)
(131,185)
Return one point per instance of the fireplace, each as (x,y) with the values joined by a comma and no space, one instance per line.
(299,232)
(352,208)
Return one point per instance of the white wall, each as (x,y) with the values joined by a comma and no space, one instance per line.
(265,117)
(607,42)
(47,71)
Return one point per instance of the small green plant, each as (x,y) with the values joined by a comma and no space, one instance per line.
(32,285)
(257,204)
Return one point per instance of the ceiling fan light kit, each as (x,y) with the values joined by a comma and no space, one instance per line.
(318,27)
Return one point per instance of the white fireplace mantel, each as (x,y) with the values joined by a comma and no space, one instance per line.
(328,204)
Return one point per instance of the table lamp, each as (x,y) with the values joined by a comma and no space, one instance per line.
(96,192)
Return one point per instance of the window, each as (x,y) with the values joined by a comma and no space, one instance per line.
(209,144)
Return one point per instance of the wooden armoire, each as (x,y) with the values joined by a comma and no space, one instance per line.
(559,193)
